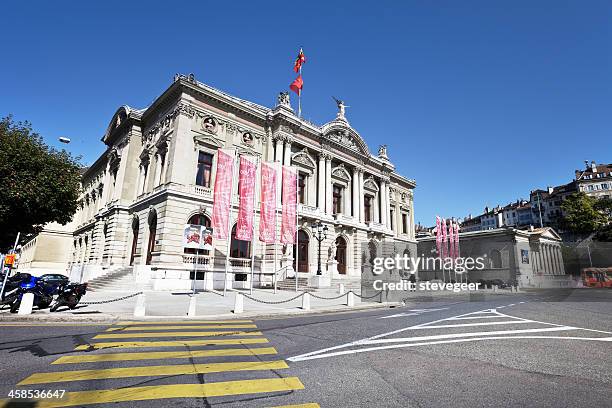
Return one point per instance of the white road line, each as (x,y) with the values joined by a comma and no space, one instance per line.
(399,315)
(460,335)
(497,316)
(444,326)
(394,346)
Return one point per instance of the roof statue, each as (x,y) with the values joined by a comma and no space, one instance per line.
(341,108)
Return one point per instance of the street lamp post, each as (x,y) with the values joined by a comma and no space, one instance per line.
(319,231)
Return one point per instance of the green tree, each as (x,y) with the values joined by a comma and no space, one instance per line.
(38,184)
(581,215)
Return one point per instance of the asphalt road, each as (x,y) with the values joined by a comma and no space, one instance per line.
(544,349)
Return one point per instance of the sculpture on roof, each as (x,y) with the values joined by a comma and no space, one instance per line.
(382,152)
(283,99)
(341,107)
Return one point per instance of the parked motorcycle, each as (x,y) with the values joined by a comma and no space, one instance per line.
(69,294)
(12,285)
(43,293)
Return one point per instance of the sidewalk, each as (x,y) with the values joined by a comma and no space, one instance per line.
(211,305)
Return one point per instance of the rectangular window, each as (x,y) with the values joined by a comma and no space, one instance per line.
(392,219)
(405,223)
(337,199)
(367,208)
(302,188)
(204,169)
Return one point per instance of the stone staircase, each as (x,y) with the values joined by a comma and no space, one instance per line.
(289,284)
(120,280)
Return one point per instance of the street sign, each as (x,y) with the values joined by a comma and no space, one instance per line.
(9,260)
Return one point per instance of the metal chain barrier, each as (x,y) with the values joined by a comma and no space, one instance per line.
(111,300)
(329,298)
(367,297)
(270,302)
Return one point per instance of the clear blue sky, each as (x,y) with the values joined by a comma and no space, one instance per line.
(479,101)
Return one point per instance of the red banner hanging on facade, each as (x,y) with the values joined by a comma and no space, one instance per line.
(222,194)
(451,240)
(267,216)
(444,239)
(439,235)
(289,225)
(456,240)
(246,191)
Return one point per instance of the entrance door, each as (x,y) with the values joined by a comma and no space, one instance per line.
(303,244)
(151,244)
(341,255)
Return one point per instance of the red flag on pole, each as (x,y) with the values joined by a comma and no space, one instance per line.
(457,240)
(244,227)
(451,240)
(222,194)
(267,218)
(444,239)
(299,61)
(288,227)
(296,86)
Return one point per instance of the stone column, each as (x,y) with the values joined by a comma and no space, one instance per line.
(278,153)
(384,211)
(287,159)
(321,183)
(355,194)
(346,197)
(377,198)
(328,186)
(361,200)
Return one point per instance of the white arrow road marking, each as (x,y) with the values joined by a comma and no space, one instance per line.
(450,338)
(417,313)
(395,346)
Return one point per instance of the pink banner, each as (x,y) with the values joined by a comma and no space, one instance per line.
(289,225)
(222,194)
(456,240)
(246,191)
(451,240)
(439,235)
(267,217)
(444,239)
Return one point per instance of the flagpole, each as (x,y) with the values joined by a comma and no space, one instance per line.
(229,226)
(300,99)
(297,235)
(253,227)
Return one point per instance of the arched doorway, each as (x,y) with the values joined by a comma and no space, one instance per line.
(341,255)
(135,227)
(303,244)
(152,233)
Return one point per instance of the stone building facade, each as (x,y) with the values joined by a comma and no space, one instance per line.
(531,258)
(158,172)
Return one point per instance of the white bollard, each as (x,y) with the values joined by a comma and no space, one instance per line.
(239,303)
(192,307)
(350,299)
(341,288)
(139,310)
(27,302)
(306,301)
(494,288)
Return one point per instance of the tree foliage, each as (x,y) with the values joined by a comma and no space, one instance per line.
(583,214)
(38,184)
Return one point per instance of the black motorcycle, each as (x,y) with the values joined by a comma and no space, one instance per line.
(69,294)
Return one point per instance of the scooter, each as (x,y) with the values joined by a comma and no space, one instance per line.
(69,294)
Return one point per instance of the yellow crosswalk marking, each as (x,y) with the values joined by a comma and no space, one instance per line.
(136,322)
(156,392)
(155,355)
(176,334)
(151,371)
(211,326)
(307,405)
(172,343)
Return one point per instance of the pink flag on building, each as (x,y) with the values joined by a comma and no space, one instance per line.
(451,240)
(222,194)
(267,217)
(457,240)
(289,225)
(444,239)
(246,191)
(439,235)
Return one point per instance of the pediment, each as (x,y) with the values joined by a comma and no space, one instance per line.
(207,140)
(342,135)
(304,159)
(341,173)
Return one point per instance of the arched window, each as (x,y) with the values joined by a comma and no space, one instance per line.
(238,248)
(496,260)
(198,219)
